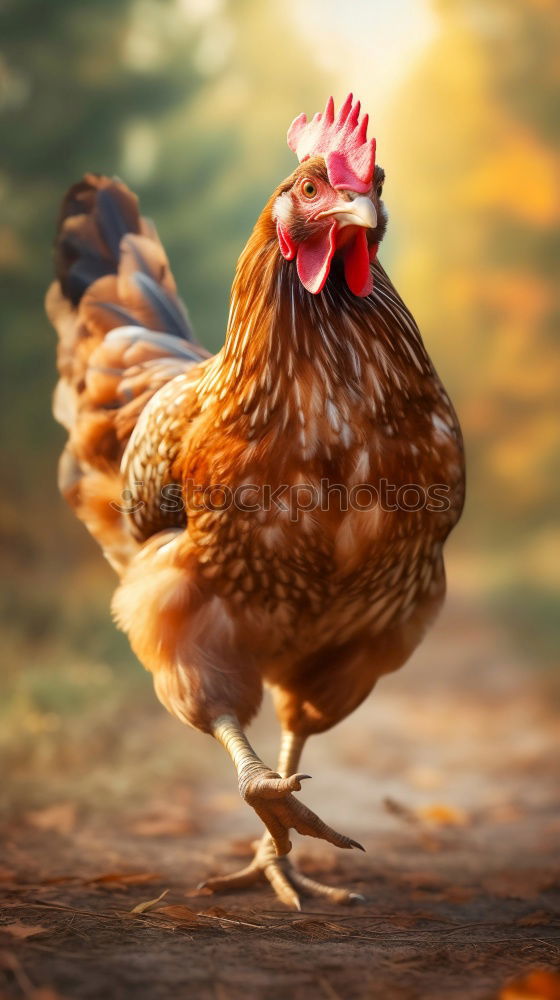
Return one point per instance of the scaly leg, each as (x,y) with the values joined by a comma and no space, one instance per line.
(270,795)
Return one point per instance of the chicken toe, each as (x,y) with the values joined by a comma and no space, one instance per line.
(271,798)
(288,883)
(270,792)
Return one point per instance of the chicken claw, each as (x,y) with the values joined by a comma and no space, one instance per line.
(270,794)
(271,798)
(288,884)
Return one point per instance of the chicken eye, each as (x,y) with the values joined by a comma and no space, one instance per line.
(309,189)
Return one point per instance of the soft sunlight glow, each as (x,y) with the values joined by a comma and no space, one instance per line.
(369,45)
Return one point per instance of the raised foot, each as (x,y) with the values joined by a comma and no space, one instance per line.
(288,884)
(271,797)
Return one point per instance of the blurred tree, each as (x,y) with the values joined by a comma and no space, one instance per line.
(474,172)
(72,78)
(188,101)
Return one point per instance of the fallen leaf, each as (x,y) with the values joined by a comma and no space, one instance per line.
(180,913)
(436,814)
(198,891)
(22,931)
(123,878)
(537,985)
(147,905)
(443,815)
(315,927)
(60,817)
(535,919)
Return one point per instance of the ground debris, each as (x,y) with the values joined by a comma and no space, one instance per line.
(149,903)
(60,817)
(22,931)
(540,984)
(461,870)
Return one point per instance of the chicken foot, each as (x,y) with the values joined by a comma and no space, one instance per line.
(270,795)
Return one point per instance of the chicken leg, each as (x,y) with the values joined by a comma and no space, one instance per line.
(270,795)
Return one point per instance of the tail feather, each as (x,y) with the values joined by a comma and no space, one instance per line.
(123,333)
(95,214)
(172,314)
(116,215)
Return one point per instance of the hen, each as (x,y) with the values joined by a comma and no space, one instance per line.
(276,513)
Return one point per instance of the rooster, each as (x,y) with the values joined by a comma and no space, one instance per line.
(276,512)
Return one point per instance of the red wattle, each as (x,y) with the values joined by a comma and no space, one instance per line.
(356,265)
(288,248)
(314,260)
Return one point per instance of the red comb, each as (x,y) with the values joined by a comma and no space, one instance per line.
(342,141)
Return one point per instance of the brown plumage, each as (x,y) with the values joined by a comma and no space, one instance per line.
(315,593)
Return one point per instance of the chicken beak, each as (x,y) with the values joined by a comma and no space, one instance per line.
(359,211)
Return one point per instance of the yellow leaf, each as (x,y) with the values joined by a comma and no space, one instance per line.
(536,985)
(443,815)
(142,907)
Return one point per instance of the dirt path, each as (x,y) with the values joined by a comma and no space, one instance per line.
(448,775)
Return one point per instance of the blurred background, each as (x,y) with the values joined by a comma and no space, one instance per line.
(188,101)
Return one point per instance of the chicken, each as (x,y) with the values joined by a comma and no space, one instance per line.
(276,512)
